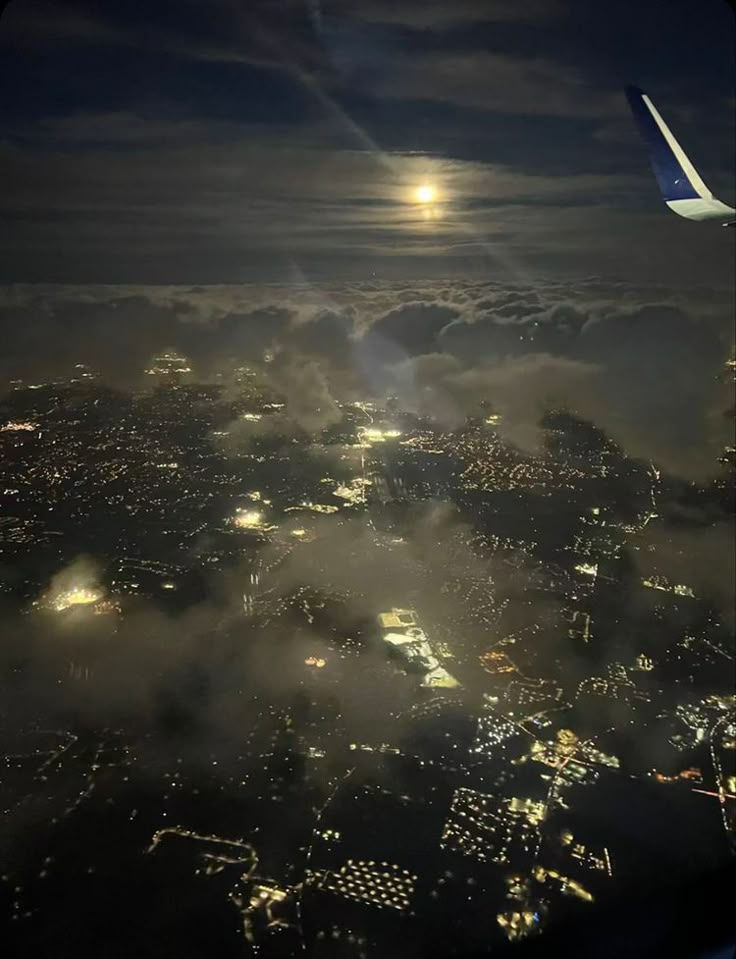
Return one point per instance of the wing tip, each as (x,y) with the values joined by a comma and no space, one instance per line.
(635,95)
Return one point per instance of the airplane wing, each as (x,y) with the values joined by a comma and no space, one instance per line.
(681,185)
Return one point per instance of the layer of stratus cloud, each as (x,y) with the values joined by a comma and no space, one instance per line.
(646,365)
(131,182)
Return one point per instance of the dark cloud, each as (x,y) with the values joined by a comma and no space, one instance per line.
(45,336)
(189,677)
(498,83)
(412,328)
(419,15)
(309,403)
(327,335)
(650,375)
(697,555)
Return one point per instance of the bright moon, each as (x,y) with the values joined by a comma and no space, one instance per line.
(425,193)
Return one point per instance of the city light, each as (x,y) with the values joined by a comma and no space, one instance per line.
(662,584)
(496,778)
(19,426)
(380,884)
(355,492)
(401,632)
(248,519)
(76,596)
(370,435)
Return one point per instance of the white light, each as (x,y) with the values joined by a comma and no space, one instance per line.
(248,519)
(77,596)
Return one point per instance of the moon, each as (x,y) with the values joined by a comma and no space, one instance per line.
(425,193)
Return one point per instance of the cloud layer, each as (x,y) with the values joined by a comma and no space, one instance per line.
(646,365)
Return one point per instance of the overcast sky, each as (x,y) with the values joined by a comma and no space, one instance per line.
(236,140)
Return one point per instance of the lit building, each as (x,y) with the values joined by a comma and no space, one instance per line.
(412,646)
(397,619)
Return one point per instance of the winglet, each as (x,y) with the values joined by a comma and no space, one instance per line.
(681,185)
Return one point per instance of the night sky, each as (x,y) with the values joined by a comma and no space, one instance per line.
(236,141)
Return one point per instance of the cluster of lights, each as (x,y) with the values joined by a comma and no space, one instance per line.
(331,834)
(586,857)
(316,662)
(266,898)
(371,435)
(314,507)
(492,731)
(516,925)
(77,596)
(18,426)
(644,663)
(355,492)
(248,519)
(495,661)
(568,886)
(526,694)
(382,884)
(476,827)
(380,748)
(531,810)
(470,823)
(168,363)
(662,583)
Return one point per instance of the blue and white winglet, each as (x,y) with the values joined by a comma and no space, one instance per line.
(681,185)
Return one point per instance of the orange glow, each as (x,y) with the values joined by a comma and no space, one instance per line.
(315,661)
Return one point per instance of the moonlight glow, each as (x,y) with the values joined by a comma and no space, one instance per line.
(426,193)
